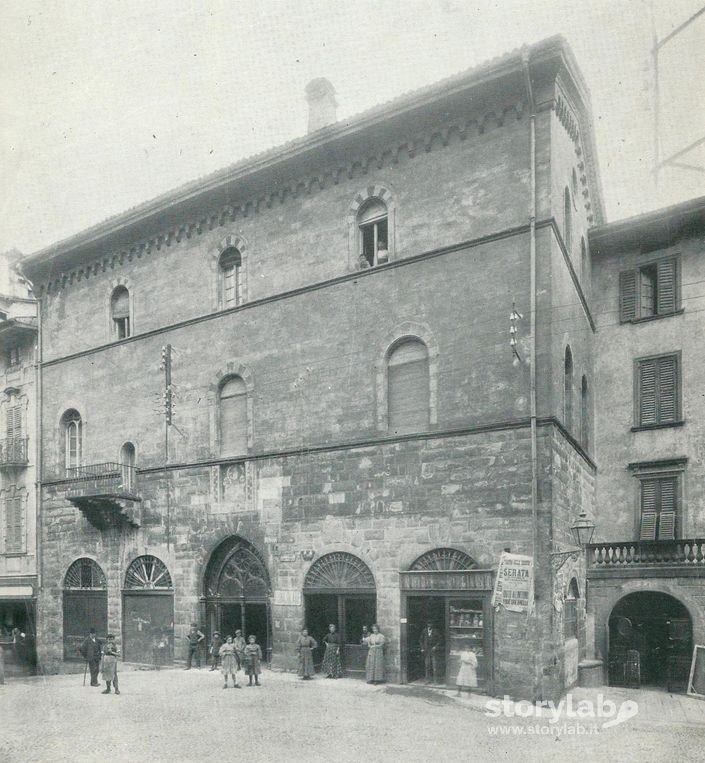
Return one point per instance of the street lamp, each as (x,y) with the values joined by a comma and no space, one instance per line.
(582,529)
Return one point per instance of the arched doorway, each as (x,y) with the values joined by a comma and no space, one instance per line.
(148,612)
(340,589)
(238,592)
(650,641)
(85,605)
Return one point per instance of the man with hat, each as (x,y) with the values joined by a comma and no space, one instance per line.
(194,638)
(240,645)
(216,643)
(90,650)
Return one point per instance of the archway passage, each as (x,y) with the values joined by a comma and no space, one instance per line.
(650,641)
(238,591)
(148,612)
(85,605)
(340,589)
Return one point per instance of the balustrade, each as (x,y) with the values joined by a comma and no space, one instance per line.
(646,553)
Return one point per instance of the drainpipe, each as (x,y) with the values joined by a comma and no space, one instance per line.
(532,314)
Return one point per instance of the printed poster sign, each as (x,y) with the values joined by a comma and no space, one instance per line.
(514,586)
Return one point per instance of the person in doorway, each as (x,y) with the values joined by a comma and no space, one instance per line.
(374,667)
(431,644)
(240,645)
(195,638)
(305,646)
(467,675)
(110,661)
(216,644)
(228,662)
(253,659)
(332,666)
(90,650)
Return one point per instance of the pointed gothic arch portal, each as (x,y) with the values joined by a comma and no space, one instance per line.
(340,589)
(238,591)
(148,612)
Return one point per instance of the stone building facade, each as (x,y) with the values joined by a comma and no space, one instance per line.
(352,438)
(647,565)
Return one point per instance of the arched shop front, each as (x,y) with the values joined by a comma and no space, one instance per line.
(340,589)
(443,587)
(148,612)
(237,593)
(85,603)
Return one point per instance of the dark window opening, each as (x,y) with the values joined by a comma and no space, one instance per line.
(372,221)
(120,312)
(659,508)
(230,263)
(649,291)
(12,356)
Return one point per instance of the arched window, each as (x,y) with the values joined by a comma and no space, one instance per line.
(127,462)
(120,313)
(568,389)
(373,228)
(408,394)
(584,414)
(72,435)
(233,417)
(570,611)
(567,220)
(229,265)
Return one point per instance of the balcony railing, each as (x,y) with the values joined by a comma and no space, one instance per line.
(106,479)
(636,555)
(13,451)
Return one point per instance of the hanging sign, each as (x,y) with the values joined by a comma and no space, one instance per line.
(514,585)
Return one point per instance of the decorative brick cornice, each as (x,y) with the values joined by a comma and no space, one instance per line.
(388,156)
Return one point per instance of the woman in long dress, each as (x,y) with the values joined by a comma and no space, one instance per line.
(375,656)
(228,662)
(305,646)
(332,666)
(467,675)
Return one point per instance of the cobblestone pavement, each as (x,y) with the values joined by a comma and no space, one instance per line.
(175,716)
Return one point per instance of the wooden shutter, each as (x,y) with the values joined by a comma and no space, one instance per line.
(233,418)
(667,525)
(649,508)
(14,422)
(648,525)
(627,295)
(668,506)
(648,413)
(666,287)
(14,525)
(408,389)
(667,389)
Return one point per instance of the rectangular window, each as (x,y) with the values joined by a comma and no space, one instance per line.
(658,391)
(122,327)
(14,523)
(650,290)
(659,507)
(374,241)
(570,619)
(12,356)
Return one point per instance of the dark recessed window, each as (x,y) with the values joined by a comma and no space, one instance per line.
(649,290)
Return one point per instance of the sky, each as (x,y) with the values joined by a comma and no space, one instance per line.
(104,105)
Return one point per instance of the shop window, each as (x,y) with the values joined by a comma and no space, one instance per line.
(373,229)
(659,507)
(120,313)
(568,389)
(650,290)
(72,435)
(658,391)
(570,611)
(567,220)
(408,388)
(230,268)
(233,417)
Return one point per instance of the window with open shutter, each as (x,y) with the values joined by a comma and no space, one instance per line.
(233,417)
(658,390)
(659,508)
(230,263)
(408,388)
(650,290)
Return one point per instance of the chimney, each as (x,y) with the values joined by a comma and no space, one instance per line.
(320,95)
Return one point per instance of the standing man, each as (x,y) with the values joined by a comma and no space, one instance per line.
(90,651)
(431,643)
(194,638)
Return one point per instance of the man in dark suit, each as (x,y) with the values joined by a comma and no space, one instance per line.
(90,651)
(431,643)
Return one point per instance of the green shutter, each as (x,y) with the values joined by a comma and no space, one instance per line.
(648,413)
(667,389)
(666,287)
(627,295)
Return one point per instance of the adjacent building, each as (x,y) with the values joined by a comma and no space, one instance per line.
(333,383)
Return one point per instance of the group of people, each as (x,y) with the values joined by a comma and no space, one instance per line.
(233,655)
(332,666)
(101,657)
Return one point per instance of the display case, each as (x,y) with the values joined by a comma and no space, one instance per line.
(466,631)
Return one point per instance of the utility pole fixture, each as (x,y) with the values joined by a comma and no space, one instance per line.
(168,399)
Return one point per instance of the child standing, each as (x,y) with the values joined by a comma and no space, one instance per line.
(216,644)
(253,658)
(467,675)
(229,662)
(110,655)
(240,645)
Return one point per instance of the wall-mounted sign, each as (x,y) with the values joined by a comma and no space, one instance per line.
(287,557)
(287,598)
(514,586)
(308,554)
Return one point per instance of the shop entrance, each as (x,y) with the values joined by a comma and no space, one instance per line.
(650,642)
(18,636)
(85,603)
(238,592)
(340,589)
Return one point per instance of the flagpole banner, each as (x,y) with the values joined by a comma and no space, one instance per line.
(514,585)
